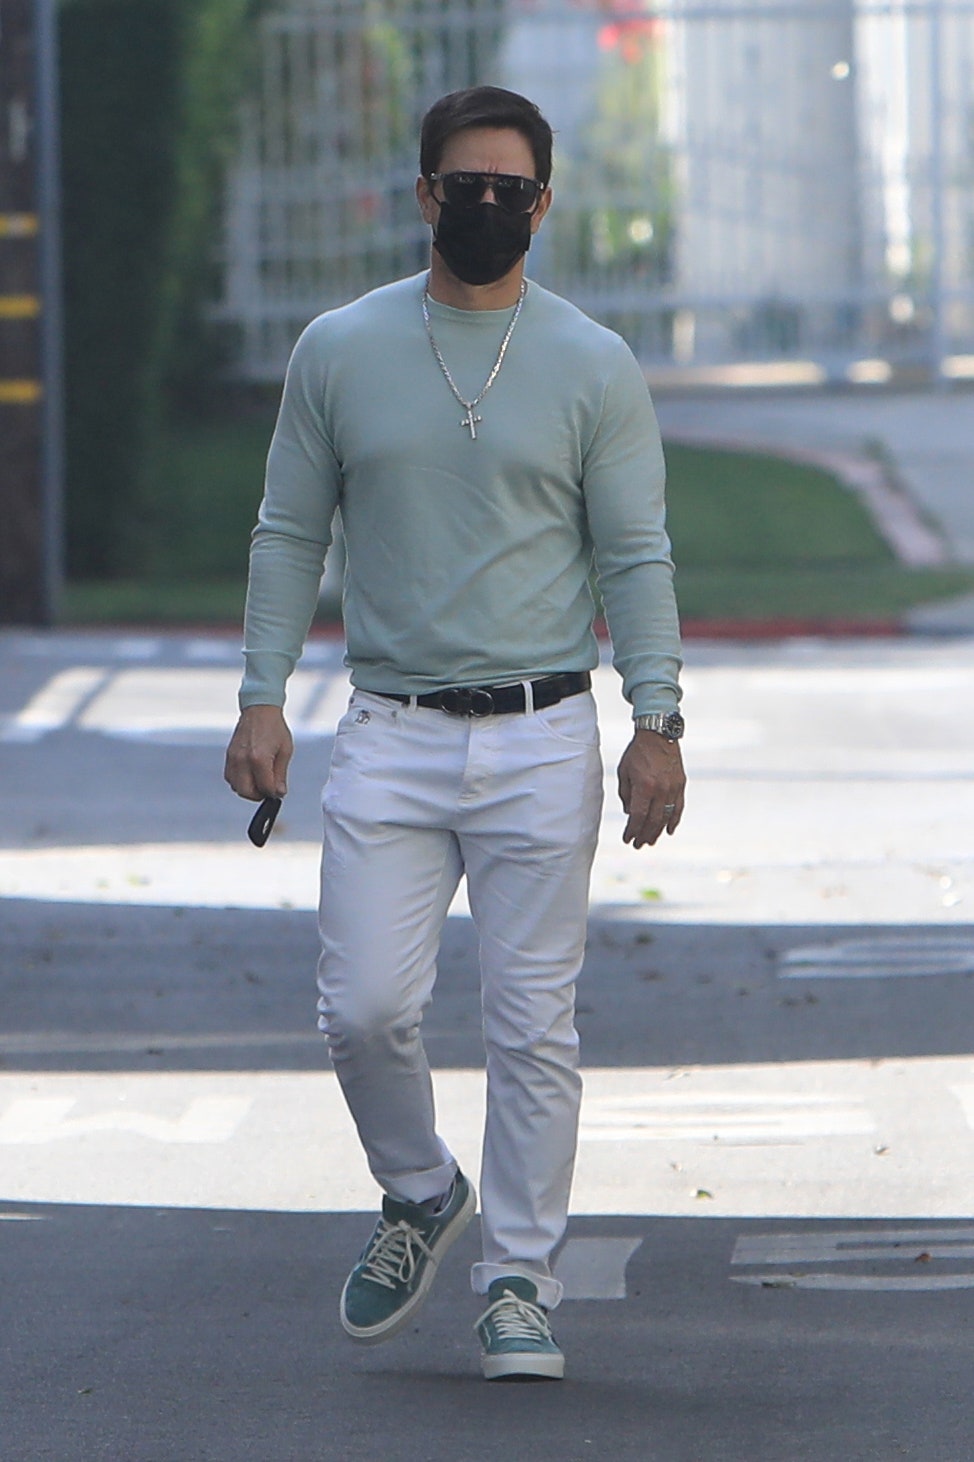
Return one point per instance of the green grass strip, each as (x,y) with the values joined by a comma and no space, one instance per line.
(756,538)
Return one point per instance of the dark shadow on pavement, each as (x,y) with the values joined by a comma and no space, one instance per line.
(89,987)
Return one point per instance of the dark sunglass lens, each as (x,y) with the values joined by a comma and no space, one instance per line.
(516,195)
(512,193)
(463,189)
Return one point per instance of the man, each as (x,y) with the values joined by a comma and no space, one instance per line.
(480,438)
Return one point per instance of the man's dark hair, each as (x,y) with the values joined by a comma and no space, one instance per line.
(484,106)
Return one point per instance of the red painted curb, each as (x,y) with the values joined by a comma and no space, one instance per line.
(790,629)
(691,629)
(780,629)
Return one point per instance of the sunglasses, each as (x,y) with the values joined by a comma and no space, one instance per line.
(511,192)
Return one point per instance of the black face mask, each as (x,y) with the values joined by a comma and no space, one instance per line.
(482,243)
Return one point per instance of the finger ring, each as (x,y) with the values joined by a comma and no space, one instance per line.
(669,807)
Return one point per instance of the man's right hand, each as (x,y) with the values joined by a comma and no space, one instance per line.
(259,752)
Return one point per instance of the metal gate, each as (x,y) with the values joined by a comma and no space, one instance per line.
(786,182)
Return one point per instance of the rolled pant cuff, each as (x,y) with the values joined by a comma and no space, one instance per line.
(418,1187)
(550,1290)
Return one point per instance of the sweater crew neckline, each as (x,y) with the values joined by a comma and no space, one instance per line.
(439,311)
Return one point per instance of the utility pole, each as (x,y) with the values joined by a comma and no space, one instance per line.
(938,201)
(30,316)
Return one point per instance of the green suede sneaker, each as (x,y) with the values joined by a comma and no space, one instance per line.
(515,1334)
(391,1280)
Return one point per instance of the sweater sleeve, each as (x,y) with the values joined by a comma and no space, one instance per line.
(624,476)
(293,529)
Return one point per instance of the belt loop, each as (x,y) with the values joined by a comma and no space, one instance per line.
(528,697)
(412,703)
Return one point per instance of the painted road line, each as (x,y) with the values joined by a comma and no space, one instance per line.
(19,306)
(130,648)
(250,1140)
(728,1117)
(295,1148)
(171,704)
(903,1282)
(915,679)
(883,958)
(217,875)
(851,1246)
(55,704)
(213,651)
(20,392)
(141,703)
(94,646)
(595,1269)
(964,1092)
(919,1247)
(47,1119)
(19,225)
(325,706)
(167,704)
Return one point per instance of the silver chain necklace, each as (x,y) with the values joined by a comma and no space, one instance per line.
(470,421)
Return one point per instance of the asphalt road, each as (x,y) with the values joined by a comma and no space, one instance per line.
(771,1253)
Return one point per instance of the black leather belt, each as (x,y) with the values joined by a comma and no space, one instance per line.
(498,700)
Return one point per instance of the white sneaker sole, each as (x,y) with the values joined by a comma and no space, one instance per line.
(524,1365)
(376,1334)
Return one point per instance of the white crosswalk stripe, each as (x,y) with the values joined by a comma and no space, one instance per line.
(283,1139)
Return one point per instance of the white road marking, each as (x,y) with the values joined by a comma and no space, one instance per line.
(171,704)
(136,647)
(919,1247)
(727,1117)
(848,679)
(850,1246)
(326,701)
(212,651)
(45,1119)
(139,702)
(964,1092)
(55,704)
(197,875)
(880,958)
(858,1281)
(595,1269)
(283,1140)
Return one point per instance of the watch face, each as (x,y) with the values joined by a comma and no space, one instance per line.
(673,725)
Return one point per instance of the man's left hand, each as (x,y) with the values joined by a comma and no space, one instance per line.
(651,787)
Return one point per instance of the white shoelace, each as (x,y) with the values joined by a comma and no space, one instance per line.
(516,1319)
(393,1257)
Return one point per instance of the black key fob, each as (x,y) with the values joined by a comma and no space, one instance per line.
(263,820)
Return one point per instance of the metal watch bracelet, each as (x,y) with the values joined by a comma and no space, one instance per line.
(668,724)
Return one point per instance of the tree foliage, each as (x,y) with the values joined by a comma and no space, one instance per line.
(149,98)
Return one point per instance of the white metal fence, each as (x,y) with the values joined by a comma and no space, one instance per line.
(777,181)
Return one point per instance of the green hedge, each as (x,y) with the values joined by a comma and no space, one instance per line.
(149,93)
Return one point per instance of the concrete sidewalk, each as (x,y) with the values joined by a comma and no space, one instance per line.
(924,441)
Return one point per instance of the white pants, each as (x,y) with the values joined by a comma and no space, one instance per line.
(415,799)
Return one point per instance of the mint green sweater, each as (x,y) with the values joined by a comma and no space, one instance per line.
(467,561)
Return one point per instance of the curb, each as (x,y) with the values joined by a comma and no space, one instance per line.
(690,629)
(792,629)
(796,628)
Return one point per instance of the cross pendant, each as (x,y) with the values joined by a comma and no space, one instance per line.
(471,422)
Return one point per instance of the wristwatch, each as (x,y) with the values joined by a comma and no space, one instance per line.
(669,724)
